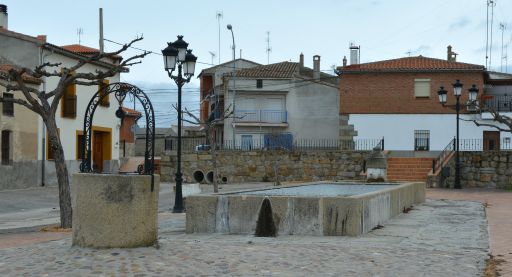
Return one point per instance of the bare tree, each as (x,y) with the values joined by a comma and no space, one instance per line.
(498,119)
(45,103)
(208,126)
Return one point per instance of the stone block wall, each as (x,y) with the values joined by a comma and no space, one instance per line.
(488,169)
(258,166)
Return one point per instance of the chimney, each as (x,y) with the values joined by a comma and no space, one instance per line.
(354,53)
(316,67)
(3,16)
(452,56)
(301,60)
(42,38)
(344,61)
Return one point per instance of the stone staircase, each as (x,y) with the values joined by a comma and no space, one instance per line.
(408,168)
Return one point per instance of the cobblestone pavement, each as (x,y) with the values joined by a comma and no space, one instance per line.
(439,238)
(499,217)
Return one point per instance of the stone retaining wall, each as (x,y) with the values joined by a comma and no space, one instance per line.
(258,166)
(489,169)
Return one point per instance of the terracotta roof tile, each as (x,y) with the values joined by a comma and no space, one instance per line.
(419,63)
(77,48)
(4,73)
(283,70)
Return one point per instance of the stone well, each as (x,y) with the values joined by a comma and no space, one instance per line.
(114,210)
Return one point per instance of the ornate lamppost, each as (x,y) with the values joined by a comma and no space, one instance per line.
(457,91)
(176,54)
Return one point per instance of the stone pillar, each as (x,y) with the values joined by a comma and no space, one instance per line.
(114,210)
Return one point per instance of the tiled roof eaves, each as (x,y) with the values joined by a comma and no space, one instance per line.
(27,78)
(60,50)
(51,47)
(358,71)
(321,82)
(211,70)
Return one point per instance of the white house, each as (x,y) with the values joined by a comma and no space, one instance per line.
(283,102)
(28,51)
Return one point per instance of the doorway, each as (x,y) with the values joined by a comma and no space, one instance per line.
(491,141)
(101,147)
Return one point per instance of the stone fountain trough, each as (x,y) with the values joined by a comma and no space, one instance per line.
(318,209)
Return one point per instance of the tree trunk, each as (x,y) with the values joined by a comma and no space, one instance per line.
(61,169)
(213,143)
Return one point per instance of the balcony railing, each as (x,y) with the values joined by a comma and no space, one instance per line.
(264,116)
(499,103)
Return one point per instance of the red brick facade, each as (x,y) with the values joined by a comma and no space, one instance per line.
(393,92)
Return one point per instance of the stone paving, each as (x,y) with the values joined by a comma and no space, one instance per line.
(439,238)
(499,217)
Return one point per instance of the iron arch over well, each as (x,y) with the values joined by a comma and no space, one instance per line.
(120,90)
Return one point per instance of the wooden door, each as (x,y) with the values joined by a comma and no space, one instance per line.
(491,140)
(97,152)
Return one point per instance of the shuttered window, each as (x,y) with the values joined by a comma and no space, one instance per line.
(8,107)
(104,98)
(6,147)
(421,88)
(68,104)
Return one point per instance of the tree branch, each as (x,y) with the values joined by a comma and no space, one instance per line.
(19,102)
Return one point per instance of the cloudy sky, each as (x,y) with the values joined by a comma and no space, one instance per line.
(384,30)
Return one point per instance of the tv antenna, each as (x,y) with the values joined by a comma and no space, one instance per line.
(503,56)
(219,15)
(212,54)
(269,49)
(79,33)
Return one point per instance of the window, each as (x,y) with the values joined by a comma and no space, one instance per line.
(68,103)
(6,147)
(421,88)
(259,83)
(421,140)
(8,107)
(104,97)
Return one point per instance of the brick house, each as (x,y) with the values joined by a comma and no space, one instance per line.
(397,99)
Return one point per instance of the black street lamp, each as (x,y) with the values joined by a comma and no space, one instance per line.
(176,53)
(457,91)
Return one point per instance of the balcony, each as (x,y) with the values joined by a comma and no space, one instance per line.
(499,103)
(277,118)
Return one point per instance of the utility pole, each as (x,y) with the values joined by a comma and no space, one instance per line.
(219,16)
(492,4)
(102,46)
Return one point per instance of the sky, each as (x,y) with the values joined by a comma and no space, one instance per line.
(384,29)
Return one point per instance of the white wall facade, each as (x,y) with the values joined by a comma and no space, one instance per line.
(398,129)
(312,108)
(103,117)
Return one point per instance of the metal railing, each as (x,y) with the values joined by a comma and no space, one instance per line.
(202,144)
(466,145)
(499,103)
(438,162)
(268,116)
